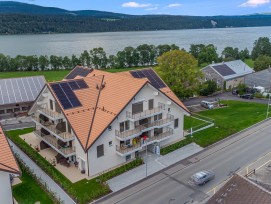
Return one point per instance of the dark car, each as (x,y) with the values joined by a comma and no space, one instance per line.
(247,96)
(235,92)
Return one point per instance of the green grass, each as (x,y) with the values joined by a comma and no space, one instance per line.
(82,191)
(249,62)
(190,122)
(29,192)
(228,120)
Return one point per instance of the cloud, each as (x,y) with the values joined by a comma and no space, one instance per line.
(152,8)
(174,5)
(254,3)
(133,4)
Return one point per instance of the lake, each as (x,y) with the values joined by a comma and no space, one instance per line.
(68,44)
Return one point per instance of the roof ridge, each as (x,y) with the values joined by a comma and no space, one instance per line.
(93,117)
(13,170)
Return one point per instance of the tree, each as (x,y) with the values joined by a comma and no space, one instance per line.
(208,55)
(98,58)
(85,58)
(56,62)
(43,62)
(4,63)
(75,61)
(161,49)
(262,46)
(67,63)
(112,61)
(120,61)
(195,49)
(144,54)
(129,57)
(262,62)
(207,88)
(230,53)
(179,70)
(244,54)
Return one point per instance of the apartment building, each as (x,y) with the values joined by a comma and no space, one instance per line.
(101,120)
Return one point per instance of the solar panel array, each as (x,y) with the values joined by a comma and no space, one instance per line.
(79,71)
(224,70)
(18,90)
(151,75)
(65,94)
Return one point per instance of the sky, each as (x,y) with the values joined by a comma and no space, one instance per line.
(172,7)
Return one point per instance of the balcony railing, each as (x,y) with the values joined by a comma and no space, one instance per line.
(128,149)
(145,113)
(52,141)
(141,128)
(52,114)
(52,128)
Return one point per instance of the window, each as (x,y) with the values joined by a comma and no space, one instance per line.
(9,110)
(158,117)
(137,107)
(127,142)
(157,131)
(176,123)
(124,125)
(100,151)
(110,143)
(2,111)
(110,128)
(16,109)
(128,157)
(150,104)
(168,109)
(51,105)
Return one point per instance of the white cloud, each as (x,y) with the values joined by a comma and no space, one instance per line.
(152,8)
(174,5)
(254,3)
(133,4)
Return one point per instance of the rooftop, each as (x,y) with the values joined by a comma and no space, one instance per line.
(7,158)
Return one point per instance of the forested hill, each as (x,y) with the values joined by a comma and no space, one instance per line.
(21,18)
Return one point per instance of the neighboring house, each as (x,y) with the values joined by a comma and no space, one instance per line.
(242,191)
(8,166)
(261,78)
(229,73)
(17,95)
(100,120)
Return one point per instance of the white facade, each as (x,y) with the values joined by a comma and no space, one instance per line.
(5,188)
(158,123)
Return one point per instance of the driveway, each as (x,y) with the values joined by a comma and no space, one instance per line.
(222,96)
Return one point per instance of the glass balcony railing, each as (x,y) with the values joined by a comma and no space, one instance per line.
(146,113)
(128,149)
(52,141)
(52,114)
(144,127)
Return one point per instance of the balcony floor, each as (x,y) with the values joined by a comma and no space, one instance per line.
(72,172)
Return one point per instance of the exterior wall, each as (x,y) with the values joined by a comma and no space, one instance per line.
(234,82)
(111,159)
(212,75)
(15,108)
(81,156)
(5,188)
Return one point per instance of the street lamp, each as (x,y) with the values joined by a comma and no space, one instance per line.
(145,138)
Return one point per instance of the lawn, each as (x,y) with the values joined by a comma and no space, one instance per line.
(29,192)
(228,120)
(250,63)
(82,191)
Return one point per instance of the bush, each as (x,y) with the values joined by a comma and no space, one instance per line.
(208,88)
(176,146)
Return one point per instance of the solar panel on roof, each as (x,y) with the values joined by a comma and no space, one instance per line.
(224,70)
(150,75)
(79,71)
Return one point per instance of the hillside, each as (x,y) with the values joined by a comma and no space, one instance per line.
(21,18)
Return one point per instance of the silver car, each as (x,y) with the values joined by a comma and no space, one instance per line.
(202,177)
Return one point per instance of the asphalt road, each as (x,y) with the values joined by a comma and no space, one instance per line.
(225,158)
(222,96)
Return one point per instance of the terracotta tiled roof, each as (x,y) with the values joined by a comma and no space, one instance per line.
(239,190)
(104,99)
(7,159)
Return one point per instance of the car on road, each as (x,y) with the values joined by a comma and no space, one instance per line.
(207,104)
(235,92)
(202,177)
(247,96)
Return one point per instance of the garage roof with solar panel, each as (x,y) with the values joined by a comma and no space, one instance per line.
(150,75)
(79,71)
(19,90)
(224,70)
(65,92)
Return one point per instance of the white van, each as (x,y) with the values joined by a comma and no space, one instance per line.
(207,104)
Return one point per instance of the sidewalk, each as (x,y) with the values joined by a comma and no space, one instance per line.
(44,178)
(155,163)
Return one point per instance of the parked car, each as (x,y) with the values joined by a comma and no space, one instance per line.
(207,104)
(247,96)
(202,177)
(235,92)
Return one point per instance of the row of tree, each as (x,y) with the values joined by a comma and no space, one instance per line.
(142,55)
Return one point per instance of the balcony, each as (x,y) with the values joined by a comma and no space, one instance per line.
(50,127)
(52,142)
(129,134)
(146,113)
(129,149)
(51,114)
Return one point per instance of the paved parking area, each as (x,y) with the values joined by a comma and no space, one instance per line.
(155,163)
